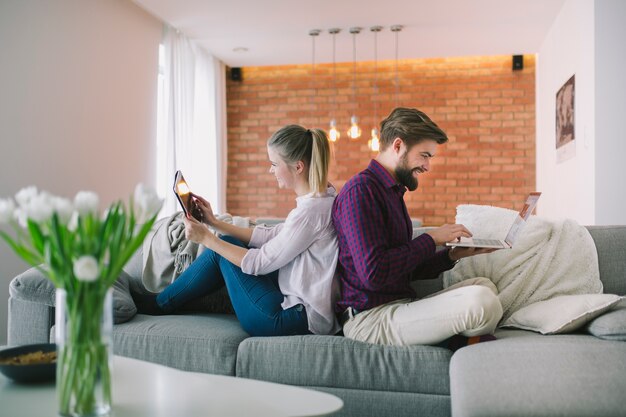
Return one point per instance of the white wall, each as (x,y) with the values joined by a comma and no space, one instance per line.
(568,187)
(77,102)
(610,111)
(586,39)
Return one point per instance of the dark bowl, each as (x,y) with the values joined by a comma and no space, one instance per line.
(28,373)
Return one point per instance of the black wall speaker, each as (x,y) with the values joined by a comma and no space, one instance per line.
(518,62)
(235,74)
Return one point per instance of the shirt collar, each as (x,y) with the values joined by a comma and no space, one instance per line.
(330,192)
(384,176)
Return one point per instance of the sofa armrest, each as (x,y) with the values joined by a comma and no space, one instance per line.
(31,308)
(33,286)
(29,322)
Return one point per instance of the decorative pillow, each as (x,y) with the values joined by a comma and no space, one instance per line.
(611,325)
(561,314)
(124,307)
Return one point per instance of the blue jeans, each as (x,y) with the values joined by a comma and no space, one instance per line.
(255,299)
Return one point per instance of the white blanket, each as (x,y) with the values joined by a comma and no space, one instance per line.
(548,259)
(167,253)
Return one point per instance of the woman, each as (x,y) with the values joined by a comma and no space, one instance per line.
(279,279)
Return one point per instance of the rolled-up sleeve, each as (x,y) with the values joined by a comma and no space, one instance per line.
(292,239)
(262,234)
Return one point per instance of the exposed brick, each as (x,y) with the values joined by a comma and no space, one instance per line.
(487,110)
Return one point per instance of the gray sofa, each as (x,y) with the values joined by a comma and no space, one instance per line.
(520,374)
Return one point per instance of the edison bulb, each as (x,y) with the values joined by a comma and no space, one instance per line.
(374,142)
(355,130)
(333,133)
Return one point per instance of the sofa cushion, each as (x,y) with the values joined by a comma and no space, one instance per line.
(611,246)
(201,342)
(610,325)
(562,375)
(339,362)
(561,314)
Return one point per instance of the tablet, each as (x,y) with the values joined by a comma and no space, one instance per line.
(184,196)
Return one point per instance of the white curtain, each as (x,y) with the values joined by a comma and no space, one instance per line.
(192,125)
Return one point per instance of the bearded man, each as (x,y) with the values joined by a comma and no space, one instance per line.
(378,256)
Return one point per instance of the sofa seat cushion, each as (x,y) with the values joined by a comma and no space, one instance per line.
(339,362)
(563,375)
(200,343)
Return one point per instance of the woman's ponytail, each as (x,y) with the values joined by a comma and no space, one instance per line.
(295,143)
(320,159)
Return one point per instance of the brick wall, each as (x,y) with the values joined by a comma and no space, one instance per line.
(487,110)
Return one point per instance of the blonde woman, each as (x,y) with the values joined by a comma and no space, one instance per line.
(279,279)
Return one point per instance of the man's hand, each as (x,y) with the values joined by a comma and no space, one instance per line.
(448,233)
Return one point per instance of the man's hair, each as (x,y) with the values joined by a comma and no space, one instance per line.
(410,125)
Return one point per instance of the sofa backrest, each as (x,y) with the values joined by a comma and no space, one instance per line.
(611,246)
(610,243)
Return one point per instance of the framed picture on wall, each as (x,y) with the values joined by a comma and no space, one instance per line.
(565,132)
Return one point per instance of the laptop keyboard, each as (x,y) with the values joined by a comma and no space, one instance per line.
(487,242)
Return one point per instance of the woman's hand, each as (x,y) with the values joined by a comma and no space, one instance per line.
(197,232)
(205,207)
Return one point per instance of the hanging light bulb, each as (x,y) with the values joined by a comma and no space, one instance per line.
(333,133)
(374,142)
(354,132)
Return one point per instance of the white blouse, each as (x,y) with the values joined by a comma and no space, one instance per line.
(304,250)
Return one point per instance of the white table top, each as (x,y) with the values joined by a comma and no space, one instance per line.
(146,389)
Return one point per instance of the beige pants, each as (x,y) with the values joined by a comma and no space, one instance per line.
(470,308)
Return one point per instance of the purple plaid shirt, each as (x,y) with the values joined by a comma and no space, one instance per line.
(377,255)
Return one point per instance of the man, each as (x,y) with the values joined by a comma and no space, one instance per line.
(378,257)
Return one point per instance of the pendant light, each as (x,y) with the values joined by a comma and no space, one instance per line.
(355,131)
(374,142)
(333,133)
(313,33)
(396,30)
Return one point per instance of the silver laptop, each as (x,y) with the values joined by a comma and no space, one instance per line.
(507,243)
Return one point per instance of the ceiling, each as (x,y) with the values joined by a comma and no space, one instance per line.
(276,32)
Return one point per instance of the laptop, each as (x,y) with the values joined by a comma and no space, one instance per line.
(507,243)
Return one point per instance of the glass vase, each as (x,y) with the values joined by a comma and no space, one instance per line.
(84,325)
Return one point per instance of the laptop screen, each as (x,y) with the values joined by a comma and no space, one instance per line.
(522,217)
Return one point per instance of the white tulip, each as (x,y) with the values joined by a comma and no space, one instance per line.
(72,224)
(39,208)
(7,210)
(146,202)
(86,268)
(63,208)
(20,216)
(24,195)
(86,202)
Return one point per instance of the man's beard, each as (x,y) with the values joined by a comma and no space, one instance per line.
(405,175)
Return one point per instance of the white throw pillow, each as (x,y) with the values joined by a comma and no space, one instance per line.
(561,314)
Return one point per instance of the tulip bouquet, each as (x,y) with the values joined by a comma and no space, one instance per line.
(82,252)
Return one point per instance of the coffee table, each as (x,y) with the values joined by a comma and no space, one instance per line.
(146,389)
